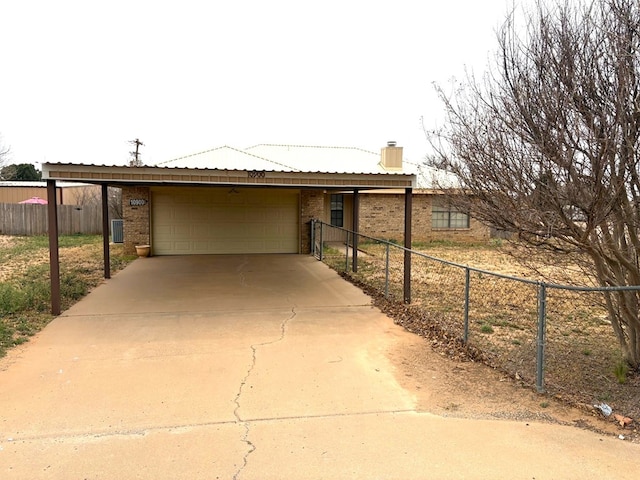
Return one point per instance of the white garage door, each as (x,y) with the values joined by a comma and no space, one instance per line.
(224,220)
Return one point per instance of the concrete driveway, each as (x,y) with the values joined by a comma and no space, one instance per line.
(250,367)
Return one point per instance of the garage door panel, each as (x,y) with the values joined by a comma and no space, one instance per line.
(199,231)
(212,220)
(199,246)
(199,213)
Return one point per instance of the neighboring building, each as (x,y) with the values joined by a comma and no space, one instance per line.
(261,199)
(67,193)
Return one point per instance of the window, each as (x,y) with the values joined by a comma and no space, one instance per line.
(337,210)
(446,216)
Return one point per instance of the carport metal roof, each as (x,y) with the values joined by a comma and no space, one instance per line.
(120,175)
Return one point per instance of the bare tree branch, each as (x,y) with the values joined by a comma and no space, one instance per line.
(92,196)
(548,143)
(4,153)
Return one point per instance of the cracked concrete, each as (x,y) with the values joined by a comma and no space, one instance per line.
(250,367)
(236,412)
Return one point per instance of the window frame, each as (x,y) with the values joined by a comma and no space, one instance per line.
(447,217)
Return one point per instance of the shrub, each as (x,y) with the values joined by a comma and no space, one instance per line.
(12,299)
(72,286)
(621,371)
(486,328)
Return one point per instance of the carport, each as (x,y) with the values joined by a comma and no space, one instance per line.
(153,195)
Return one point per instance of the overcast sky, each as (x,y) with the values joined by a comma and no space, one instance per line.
(79,79)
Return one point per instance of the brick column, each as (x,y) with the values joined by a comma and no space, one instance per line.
(136,211)
(311,208)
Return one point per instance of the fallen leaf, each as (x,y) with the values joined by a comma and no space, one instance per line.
(622,420)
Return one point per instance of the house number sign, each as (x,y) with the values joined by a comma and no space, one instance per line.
(137,202)
(256,174)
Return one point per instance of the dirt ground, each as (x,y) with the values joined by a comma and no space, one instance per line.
(472,390)
(494,376)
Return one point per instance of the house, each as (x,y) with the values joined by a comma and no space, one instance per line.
(225,200)
(231,201)
(381,212)
(261,199)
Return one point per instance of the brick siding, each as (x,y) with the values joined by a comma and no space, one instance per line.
(311,208)
(137,222)
(382,216)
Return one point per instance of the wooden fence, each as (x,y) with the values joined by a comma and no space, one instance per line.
(31,219)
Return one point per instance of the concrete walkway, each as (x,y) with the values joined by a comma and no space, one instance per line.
(250,367)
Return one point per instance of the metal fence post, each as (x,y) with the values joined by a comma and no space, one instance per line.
(467,282)
(321,243)
(346,264)
(313,237)
(542,318)
(386,274)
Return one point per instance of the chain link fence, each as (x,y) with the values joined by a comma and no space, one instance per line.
(541,333)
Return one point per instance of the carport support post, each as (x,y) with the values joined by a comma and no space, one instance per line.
(356,221)
(54,254)
(408,205)
(105,231)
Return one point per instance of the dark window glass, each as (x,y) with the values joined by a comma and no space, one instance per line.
(337,210)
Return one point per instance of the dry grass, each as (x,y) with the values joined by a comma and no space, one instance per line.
(24,280)
(581,351)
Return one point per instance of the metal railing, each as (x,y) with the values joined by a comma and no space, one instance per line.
(434,280)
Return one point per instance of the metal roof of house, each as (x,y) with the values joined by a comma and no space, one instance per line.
(308,158)
(285,158)
(431,178)
(278,160)
(226,158)
(322,159)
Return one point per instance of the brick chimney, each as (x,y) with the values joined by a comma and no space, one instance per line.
(391,157)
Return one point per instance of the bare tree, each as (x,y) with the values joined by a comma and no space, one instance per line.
(92,197)
(4,153)
(547,144)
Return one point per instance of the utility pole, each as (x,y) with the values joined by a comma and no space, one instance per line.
(135,156)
